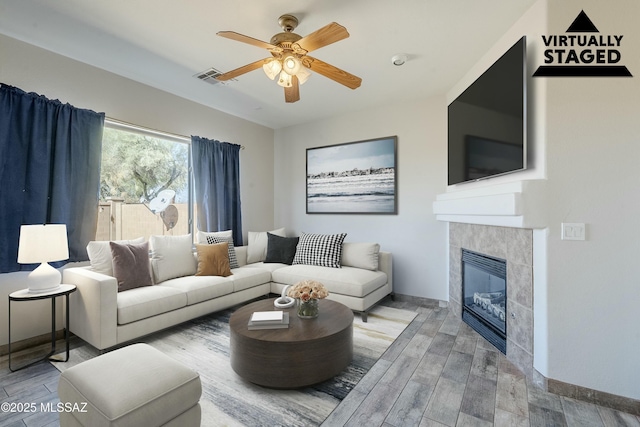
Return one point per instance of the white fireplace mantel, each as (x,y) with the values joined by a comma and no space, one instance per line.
(499,205)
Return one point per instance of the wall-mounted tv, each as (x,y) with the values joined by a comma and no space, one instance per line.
(487,122)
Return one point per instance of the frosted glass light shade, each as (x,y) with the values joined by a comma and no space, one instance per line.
(272,68)
(43,243)
(285,79)
(291,65)
(303,75)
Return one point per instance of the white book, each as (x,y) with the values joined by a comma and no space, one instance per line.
(267,316)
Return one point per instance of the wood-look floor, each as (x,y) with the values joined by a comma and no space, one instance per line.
(439,372)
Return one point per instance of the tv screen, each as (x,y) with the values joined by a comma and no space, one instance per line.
(487,122)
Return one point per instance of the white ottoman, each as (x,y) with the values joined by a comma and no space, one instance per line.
(132,386)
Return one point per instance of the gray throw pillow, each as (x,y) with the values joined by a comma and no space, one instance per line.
(281,249)
(131,265)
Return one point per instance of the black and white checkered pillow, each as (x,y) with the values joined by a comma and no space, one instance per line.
(324,250)
(233,260)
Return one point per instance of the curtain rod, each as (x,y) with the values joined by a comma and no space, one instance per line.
(122,123)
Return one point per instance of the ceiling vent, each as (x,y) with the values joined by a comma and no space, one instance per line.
(209,76)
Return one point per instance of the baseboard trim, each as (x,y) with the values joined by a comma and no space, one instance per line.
(30,342)
(613,401)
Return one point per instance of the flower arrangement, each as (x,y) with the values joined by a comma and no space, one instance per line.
(307,290)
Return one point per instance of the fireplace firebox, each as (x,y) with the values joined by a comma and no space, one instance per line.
(484,292)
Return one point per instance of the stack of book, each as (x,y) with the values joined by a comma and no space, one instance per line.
(269,320)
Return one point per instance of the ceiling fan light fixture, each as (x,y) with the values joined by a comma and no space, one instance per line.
(285,79)
(272,68)
(291,65)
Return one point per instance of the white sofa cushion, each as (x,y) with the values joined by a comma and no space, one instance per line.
(245,278)
(172,256)
(350,281)
(100,257)
(140,303)
(360,255)
(257,244)
(201,288)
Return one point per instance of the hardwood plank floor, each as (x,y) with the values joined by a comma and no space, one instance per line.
(439,372)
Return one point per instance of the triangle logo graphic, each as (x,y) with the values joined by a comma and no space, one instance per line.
(581,53)
(582,24)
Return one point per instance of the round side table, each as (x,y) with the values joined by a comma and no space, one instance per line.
(25,295)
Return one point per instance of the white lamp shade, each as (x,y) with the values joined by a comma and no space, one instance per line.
(43,243)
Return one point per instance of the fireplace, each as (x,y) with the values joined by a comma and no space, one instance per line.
(484,295)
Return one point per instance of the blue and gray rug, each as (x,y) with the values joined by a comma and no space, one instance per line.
(228,400)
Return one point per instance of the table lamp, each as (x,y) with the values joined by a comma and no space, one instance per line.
(43,243)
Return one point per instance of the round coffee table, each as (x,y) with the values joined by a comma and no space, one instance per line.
(308,352)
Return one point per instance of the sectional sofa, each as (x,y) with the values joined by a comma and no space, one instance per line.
(106,311)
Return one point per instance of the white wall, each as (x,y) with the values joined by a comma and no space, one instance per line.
(417,241)
(593,153)
(585,136)
(36,70)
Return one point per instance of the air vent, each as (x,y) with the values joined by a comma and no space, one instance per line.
(209,76)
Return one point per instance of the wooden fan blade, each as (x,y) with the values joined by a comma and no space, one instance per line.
(292,94)
(239,71)
(324,36)
(334,73)
(246,39)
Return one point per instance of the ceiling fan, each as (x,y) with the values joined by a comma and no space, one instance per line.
(289,61)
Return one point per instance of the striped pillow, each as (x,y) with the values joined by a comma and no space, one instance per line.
(324,250)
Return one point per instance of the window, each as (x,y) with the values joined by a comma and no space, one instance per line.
(145,183)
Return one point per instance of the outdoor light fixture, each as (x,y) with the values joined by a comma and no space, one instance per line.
(43,243)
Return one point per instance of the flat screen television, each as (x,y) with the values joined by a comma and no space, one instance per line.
(487,122)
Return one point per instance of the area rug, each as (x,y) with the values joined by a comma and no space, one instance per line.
(228,400)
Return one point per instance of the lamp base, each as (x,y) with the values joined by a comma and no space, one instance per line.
(45,278)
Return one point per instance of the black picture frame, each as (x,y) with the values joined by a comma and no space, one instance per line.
(353,178)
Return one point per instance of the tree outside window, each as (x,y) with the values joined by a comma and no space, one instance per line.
(135,169)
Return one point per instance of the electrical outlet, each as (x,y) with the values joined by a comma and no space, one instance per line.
(573,231)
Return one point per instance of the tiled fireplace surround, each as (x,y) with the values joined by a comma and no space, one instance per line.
(515,245)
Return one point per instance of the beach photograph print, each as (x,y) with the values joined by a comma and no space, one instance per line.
(355,177)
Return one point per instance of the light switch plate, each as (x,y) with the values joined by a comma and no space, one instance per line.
(573,231)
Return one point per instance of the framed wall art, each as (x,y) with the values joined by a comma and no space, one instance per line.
(353,178)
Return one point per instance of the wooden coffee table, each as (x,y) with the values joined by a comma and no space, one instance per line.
(308,352)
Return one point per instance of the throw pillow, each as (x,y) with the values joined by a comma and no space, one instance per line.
(257,244)
(100,254)
(171,257)
(201,237)
(324,250)
(233,259)
(281,249)
(131,265)
(361,255)
(213,260)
